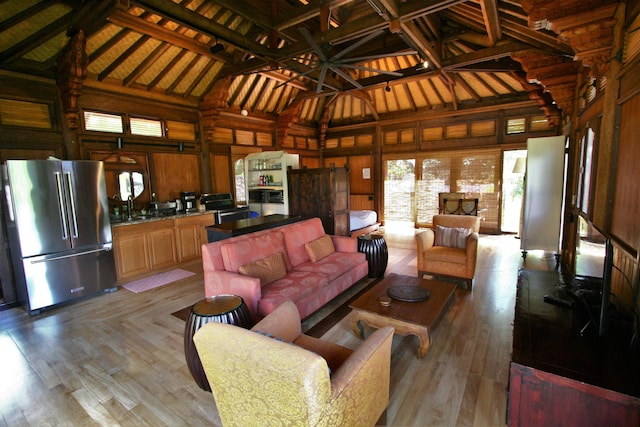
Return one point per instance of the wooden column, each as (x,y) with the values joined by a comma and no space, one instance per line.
(72,70)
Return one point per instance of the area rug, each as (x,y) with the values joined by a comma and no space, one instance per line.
(156,280)
(318,323)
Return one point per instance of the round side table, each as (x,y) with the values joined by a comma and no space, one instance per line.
(229,309)
(375,249)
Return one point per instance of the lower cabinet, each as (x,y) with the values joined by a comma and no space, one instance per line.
(191,233)
(143,248)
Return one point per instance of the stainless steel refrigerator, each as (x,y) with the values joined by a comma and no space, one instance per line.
(57,221)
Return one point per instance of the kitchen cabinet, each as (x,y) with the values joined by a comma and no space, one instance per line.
(153,245)
(162,248)
(191,233)
(133,250)
(322,193)
(266,181)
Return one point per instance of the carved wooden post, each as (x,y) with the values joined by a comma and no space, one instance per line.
(210,107)
(286,119)
(72,70)
(214,102)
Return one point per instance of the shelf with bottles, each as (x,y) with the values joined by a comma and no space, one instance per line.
(261,165)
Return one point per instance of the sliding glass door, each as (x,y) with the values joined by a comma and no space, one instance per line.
(399,192)
(412,186)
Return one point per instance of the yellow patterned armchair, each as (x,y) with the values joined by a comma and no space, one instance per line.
(274,375)
(444,251)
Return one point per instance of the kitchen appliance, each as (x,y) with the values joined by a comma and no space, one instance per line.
(57,221)
(188,201)
(224,207)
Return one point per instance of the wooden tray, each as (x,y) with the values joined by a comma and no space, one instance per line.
(408,293)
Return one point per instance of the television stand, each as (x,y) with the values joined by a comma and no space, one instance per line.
(555,369)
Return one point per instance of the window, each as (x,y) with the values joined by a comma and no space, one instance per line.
(516,126)
(146,127)
(586,166)
(103,122)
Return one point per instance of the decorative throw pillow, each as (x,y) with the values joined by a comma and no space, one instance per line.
(320,248)
(453,237)
(267,269)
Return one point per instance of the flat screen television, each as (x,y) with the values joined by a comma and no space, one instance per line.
(594,266)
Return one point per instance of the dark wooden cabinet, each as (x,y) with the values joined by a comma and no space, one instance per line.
(561,377)
(322,193)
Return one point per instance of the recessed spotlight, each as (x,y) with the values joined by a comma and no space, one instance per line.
(244,112)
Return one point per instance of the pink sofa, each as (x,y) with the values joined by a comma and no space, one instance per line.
(308,284)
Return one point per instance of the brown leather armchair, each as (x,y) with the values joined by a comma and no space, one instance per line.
(440,260)
(275,375)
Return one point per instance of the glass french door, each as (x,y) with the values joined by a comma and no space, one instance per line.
(399,192)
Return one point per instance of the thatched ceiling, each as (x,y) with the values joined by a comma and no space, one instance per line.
(349,60)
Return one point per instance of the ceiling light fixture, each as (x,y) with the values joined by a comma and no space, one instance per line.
(388,88)
(423,65)
(218,47)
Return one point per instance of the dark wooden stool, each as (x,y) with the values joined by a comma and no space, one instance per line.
(375,249)
(229,309)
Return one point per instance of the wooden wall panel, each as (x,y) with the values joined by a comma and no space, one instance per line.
(625,221)
(361,202)
(24,154)
(337,161)
(359,185)
(309,162)
(173,173)
(220,174)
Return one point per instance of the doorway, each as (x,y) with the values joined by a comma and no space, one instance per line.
(513,173)
(399,194)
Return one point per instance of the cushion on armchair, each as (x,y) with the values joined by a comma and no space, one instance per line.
(453,237)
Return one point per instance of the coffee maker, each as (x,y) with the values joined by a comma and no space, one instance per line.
(188,201)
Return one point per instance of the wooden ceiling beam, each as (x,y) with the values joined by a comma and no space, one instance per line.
(304,13)
(36,39)
(491,20)
(484,55)
(194,20)
(142,26)
(415,38)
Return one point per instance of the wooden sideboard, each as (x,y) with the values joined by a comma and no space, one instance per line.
(560,377)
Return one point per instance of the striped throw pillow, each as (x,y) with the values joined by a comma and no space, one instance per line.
(452,237)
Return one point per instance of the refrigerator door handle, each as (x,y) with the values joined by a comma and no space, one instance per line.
(104,249)
(74,216)
(61,212)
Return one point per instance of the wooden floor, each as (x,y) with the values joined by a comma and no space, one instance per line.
(118,359)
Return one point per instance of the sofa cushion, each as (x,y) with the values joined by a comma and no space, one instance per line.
(334,265)
(237,254)
(447,255)
(267,269)
(452,237)
(319,248)
(294,286)
(299,233)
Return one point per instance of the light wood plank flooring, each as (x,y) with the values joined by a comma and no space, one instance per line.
(118,359)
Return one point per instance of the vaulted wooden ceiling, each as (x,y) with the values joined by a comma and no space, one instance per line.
(337,61)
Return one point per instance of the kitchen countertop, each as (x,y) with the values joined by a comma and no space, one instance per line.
(152,218)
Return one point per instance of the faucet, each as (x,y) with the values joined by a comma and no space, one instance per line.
(129,207)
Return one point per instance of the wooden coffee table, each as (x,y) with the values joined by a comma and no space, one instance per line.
(408,318)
